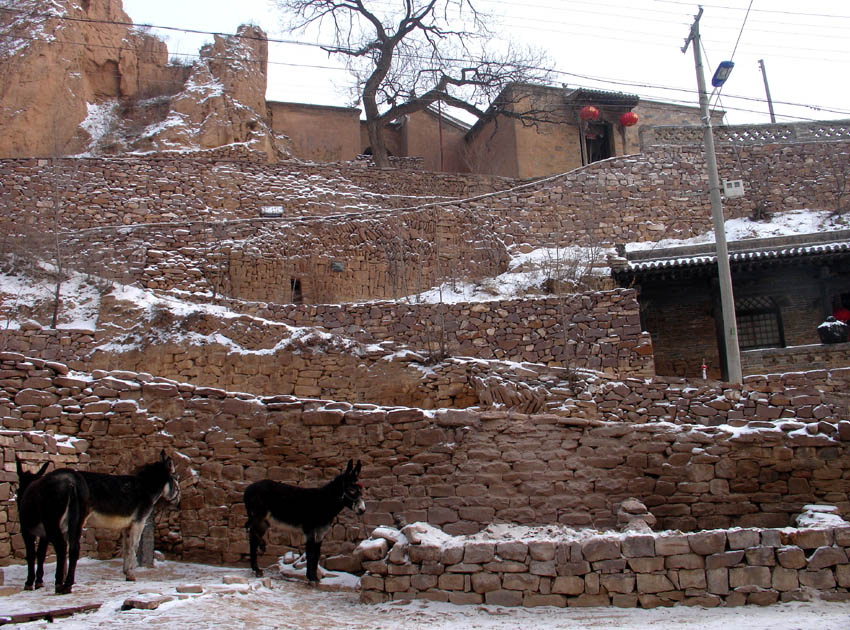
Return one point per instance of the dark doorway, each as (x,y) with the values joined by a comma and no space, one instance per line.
(295,286)
(598,139)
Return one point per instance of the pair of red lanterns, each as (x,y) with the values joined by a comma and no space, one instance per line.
(589,112)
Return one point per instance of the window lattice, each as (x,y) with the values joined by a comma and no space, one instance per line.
(759,323)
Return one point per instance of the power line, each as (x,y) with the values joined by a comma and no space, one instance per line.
(131,24)
(335,68)
(741,32)
(585,77)
(795,13)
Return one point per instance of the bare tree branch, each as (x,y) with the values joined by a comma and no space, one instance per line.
(415,53)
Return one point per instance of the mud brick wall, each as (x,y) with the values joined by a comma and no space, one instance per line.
(710,568)
(456,469)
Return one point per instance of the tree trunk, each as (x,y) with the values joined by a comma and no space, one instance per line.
(377,142)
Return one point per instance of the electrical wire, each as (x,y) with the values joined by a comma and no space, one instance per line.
(622,83)
(335,68)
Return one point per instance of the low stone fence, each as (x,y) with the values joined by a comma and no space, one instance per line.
(569,568)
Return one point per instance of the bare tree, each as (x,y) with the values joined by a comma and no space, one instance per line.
(407,55)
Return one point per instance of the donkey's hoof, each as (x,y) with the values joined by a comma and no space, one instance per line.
(29,587)
(39,585)
(64,589)
(130,577)
(258,572)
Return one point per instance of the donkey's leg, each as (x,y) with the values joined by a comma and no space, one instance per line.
(61,548)
(75,533)
(314,548)
(29,543)
(41,553)
(257,528)
(131,543)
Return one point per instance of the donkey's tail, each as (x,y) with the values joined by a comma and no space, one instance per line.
(73,514)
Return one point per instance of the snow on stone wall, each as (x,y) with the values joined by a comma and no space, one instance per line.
(563,567)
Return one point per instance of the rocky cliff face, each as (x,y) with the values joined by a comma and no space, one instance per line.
(78,77)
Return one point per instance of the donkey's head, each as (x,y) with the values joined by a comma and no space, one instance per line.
(160,477)
(171,491)
(352,491)
(26,478)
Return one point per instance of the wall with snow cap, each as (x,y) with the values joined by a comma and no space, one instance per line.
(457,469)
(592,331)
(562,567)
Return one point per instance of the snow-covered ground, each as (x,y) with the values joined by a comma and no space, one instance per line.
(231,598)
(779,224)
(527,270)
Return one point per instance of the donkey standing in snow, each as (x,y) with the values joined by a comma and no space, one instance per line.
(312,510)
(32,528)
(54,508)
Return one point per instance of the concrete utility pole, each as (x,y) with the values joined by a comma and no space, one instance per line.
(727,301)
(767,90)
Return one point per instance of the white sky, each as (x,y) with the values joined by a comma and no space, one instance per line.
(631,46)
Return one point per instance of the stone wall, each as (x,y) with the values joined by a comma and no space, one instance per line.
(808,357)
(120,191)
(457,469)
(595,331)
(646,570)
(195,225)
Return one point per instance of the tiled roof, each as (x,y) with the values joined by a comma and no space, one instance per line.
(741,253)
(744,256)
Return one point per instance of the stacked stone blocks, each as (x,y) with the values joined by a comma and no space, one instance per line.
(708,568)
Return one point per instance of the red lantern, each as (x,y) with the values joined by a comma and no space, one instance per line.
(628,119)
(588,112)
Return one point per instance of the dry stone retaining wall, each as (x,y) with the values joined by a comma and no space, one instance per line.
(647,570)
(457,469)
(812,356)
(595,331)
(171,235)
(120,191)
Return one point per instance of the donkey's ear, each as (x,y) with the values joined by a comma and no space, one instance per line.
(42,469)
(349,468)
(162,456)
(18,466)
(356,472)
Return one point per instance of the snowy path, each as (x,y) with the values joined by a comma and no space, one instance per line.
(291,604)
